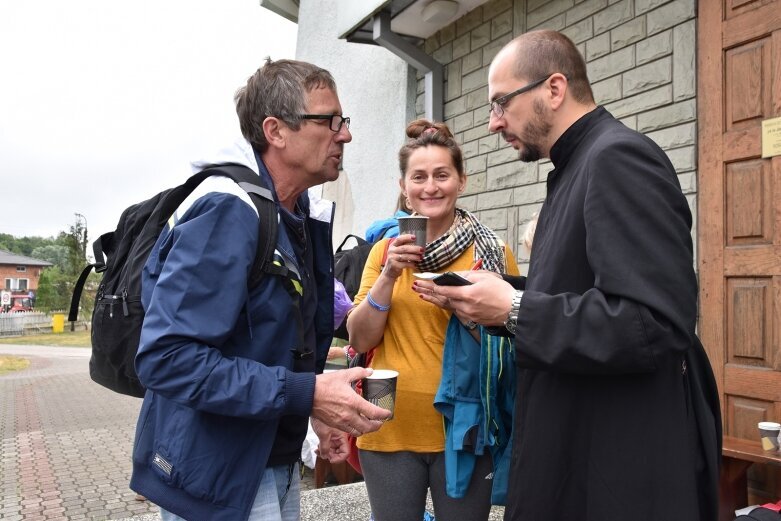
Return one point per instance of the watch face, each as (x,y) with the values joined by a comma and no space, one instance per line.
(510,325)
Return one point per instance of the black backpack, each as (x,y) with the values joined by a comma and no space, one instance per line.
(348,268)
(118,313)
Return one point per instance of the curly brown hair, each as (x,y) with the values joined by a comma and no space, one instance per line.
(424,133)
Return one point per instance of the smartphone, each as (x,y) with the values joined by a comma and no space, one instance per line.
(451,279)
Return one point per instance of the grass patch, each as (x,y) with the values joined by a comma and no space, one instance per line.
(65,339)
(9,364)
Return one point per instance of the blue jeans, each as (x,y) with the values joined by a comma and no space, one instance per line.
(278,497)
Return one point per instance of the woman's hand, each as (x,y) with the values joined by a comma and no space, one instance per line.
(402,253)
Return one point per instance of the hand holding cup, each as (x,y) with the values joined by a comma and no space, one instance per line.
(415,225)
(379,388)
(403,253)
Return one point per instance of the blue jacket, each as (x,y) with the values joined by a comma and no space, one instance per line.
(476,396)
(217,359)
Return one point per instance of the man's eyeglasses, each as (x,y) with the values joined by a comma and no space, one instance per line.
(497,105)
(335,121)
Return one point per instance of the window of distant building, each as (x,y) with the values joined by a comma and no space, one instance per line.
(21,269)
(16,284)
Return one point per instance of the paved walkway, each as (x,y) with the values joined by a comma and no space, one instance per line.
(66,449)
(66,441)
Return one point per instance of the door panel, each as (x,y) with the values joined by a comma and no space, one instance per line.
(739,255)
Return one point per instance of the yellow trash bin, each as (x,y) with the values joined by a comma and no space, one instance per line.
(58,323)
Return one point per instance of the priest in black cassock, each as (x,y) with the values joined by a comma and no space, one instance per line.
(617,413)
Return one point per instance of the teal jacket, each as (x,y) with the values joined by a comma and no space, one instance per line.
(475,397)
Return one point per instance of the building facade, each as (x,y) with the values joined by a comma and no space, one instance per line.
(20,273)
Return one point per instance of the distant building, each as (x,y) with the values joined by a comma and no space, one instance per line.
(19,273)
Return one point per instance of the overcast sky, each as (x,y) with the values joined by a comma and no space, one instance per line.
(103,103)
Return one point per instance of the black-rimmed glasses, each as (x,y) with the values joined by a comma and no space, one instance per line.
(335,121)
(497,105)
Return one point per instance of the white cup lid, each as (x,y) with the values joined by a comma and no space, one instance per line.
(769,426)
(380,374)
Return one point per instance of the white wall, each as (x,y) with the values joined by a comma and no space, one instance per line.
(373,85)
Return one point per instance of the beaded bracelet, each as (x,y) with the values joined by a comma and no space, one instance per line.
(375,305)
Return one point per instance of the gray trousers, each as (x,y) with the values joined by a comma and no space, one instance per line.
(397,484)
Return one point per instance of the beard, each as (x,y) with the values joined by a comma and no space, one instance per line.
(534,134)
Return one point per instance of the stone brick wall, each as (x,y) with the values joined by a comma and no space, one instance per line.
(641,61)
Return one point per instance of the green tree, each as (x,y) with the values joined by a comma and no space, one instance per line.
(23,245)
(54,253)
(76,244)
(54,289)
(6,242)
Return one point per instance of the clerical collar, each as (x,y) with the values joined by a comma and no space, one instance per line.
(565,146)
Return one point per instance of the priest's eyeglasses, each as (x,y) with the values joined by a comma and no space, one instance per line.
(497,105)
(335,121)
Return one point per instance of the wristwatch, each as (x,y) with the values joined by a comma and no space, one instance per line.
(512,317)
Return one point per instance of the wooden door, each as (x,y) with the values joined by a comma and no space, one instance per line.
(739,215)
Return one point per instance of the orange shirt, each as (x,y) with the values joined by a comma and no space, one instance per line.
(412,345)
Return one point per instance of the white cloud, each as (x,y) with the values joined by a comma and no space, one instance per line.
(103,103)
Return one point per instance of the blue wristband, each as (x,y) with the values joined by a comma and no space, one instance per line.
(374,304)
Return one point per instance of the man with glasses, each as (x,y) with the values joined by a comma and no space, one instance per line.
(231,369)
(617,414)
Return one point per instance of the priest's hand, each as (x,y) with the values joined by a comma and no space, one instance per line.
(486,301)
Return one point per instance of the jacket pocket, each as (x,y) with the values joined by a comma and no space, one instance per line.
(209,456)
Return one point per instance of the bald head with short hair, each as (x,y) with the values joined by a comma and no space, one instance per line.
(538,54)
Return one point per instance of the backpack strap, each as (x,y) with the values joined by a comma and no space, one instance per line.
(268,218)
(73,313)
(99,265)
(268,221)
(359,240)
(382,265)
(385,252)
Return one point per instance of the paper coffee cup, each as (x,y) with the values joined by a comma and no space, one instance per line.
(768,432)
(380,389)
(416,225)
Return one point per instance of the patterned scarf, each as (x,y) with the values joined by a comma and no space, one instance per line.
(465,230)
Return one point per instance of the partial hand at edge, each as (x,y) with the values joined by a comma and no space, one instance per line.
(334,446)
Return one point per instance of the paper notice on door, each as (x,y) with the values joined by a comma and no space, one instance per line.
(771,137)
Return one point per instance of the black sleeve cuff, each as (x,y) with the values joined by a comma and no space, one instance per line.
(499,331)
(516,281)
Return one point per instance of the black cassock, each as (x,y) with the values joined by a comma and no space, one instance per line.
(617,413)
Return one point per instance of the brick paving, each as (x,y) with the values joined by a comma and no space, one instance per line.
(66,442)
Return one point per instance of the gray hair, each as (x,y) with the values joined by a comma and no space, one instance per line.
(281,89)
